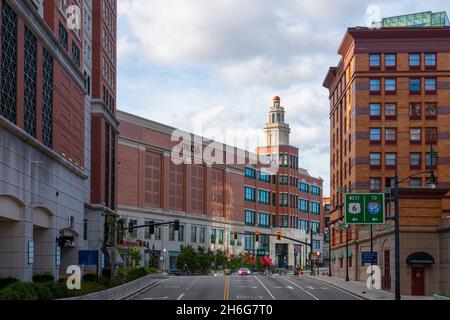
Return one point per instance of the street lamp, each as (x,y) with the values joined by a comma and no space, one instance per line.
(347,278)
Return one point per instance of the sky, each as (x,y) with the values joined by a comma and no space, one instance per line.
(213,66)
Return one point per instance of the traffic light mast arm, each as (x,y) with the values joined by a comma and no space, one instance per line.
(150,224)
(291,239)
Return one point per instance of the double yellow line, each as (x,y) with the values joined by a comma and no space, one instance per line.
(226,292)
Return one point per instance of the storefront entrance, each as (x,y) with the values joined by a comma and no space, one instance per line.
(418,281)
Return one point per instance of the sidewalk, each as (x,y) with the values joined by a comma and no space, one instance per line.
(360,289)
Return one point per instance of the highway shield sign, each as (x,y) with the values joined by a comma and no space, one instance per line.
(364,208)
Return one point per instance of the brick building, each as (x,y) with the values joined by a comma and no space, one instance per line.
(49,57)
(389,106)
(213,200)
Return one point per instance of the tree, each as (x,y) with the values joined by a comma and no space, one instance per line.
(135,256)
(221,259)
(205,258)
(188,257)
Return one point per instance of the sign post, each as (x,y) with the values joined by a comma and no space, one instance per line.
(364,208)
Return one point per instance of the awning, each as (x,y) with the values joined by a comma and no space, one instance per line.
(333,256)
(420,258)
(350,253)
(341,254)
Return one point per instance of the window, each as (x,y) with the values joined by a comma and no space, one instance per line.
(133,233)
(158,233)
(415,182)
(375,61)
(303,205)
(193,234)
(315,190)
(375,86)
(430,111)
(316,244)
(181,233)
(30,72)
(303,225)
(430,60)
(430,85)
(375,135)
(415,111)
(263,176)
(249,218)
(375,184)
(8,66)
(390,160)
(390,60)
(428,163)
(414,61)
(250,194)
(390,111)
(415,160)
(107,164)
(76,54)
(390,86)
(415,86)
(304,187)
(315,226)
(201,236)
(250,173)
(264,197)
(375,111)
(263,220)
(213,235)
(221,234)
(430,136)
(390,135)
(415,135)
(375,160)
(315,208)
(249,242)
(63,36)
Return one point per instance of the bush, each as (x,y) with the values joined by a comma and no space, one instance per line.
(44,277)
(4,282)
(19,291)
(153,270)
(88,287)
(124,275)
(89,277)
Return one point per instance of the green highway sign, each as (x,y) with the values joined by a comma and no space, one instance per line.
(364,208)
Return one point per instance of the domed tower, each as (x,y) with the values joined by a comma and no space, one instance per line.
(276,130)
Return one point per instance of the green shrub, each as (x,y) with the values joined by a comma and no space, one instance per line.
(4,282)
(153,270)
(88,287)
(89,277)
(43,277)
(124,275)
(19,291)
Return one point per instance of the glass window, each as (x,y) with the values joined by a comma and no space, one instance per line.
(315,226)
(181,233)
(315,190)
(201,236)
(415,134)
(213,235)
(221,233)
(263,197)
(414,59)
(391,135)
(428,160)
(430,59)
(263,176)
(415,110)
(249,217)
(315,208)
(391,159)
(390,110)
(415,182)
(171,232)
(375,134)
(303,225)
(250,173)
(414,159)
(430,110)
(390,84)
(375,184)
(375,159)
(414,85)
(264,220)
(304,187)
(375,85)
(430,135)
(390,59)
(430,84)
(193,234)
(375,110)
(250,194)
(375,60)
(303,205)
(316,244)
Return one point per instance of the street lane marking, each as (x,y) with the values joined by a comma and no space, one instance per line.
(301,288)
(193,282)
(181,296)
(226,291)
(309,287)
(337,288)
(265,288)
(289,287)
(158,298)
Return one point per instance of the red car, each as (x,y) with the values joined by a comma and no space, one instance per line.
(244,272)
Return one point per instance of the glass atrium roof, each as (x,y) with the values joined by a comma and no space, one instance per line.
(421,19)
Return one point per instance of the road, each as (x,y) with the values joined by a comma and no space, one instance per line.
(242,288)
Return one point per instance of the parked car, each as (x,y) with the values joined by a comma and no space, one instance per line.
(244,272)
(174,272)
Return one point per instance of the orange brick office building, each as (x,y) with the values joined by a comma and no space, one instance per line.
(215,200)
(389,105)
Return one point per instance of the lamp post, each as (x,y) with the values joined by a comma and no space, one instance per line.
(341,222)
(397,238)
(328,232)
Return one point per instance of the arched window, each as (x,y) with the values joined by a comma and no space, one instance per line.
(278,117)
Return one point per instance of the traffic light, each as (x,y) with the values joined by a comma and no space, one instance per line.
(151,227)
(278,235)
(176,225)
(235,236)
(257,236)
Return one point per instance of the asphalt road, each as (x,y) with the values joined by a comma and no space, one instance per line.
(242,288)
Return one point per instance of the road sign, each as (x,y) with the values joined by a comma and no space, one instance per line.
(364,208)
(369,257)
(315,256)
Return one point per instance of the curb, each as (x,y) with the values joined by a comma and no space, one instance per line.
(340,288)
(131,295)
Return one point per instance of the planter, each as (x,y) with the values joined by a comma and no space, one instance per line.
(438,297)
